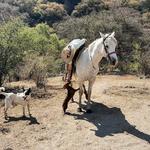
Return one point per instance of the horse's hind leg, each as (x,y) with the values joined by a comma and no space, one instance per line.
(89,96)
(72,100)
(85,92)
(80,97)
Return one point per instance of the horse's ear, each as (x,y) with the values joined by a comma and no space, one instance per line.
(113,34)
(101,34)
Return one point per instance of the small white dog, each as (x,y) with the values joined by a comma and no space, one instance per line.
(12,99)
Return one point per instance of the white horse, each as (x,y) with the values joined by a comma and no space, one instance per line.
(87,65)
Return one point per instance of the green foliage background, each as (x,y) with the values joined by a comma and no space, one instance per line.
(34,32)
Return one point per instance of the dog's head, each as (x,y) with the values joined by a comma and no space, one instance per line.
(66,85)
(28,91)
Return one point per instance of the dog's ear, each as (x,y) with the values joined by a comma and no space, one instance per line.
(27,92)
(66,85)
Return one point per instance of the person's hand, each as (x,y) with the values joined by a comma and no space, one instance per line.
(68,51)
(68,54)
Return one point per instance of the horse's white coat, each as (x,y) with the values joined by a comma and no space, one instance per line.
(87,66)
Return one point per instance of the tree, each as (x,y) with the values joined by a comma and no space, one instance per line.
(42,50)
(8,11)
(87,7)
(49,12)
(10,52)
(145,6)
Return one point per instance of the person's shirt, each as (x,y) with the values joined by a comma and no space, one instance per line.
(69,51)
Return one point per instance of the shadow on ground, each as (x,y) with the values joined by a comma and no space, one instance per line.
(31,119)
(110,121)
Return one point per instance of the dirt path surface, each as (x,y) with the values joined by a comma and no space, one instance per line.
(120,119)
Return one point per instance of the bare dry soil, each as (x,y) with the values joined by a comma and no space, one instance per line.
(120,118)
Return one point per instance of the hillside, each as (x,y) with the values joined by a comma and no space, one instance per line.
(42,28)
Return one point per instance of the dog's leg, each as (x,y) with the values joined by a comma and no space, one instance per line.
(75,90)
(7,105)
(28,106)
(68,97)
(5,113)
(23,108)
(72,100)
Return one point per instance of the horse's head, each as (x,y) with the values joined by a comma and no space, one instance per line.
(110,43)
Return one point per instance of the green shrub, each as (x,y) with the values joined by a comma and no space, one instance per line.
(87,7)
(49,12)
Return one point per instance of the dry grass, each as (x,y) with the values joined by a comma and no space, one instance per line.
(120,118)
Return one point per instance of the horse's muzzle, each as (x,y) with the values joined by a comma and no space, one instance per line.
(113,61)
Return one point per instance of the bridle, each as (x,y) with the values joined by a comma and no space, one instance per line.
(106,48)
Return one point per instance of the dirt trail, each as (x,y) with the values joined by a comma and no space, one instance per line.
(120,119)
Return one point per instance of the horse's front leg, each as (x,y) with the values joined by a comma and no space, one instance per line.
(89,96)
(80,98)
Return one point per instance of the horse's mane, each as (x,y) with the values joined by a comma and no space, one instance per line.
(90,47)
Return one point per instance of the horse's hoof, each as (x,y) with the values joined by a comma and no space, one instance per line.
(6,118)
(64,110)
(89,111)
(67,113)
(79,110)
(23,116)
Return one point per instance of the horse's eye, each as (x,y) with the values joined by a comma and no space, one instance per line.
(107,46)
